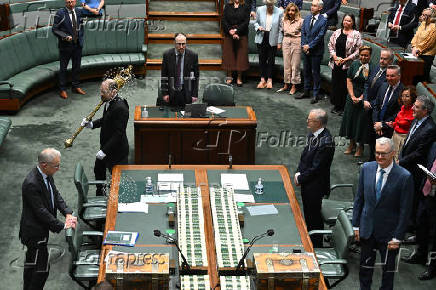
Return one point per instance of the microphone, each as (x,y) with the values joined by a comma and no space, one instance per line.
(230,161)
(185,265)
(269,233)
(169,160)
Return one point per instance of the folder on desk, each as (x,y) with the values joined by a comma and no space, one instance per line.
(121,238)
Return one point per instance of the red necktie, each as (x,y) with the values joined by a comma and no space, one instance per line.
(397,19)
(427,186)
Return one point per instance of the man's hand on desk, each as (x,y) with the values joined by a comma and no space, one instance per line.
(166,98)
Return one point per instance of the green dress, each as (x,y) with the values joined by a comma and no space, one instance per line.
(355,119)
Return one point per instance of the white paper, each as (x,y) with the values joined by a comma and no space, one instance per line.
(215,110)
(427,172)
(243,198)
(238,181)
(170,177)
(126,238)
(133,207)
(262,210)
(164,198)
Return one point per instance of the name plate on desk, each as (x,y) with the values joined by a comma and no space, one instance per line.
(288,270)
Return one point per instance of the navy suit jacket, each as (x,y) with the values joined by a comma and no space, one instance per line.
(392,109)
(387,218)
(408,22)
(315,37)
(430,159)
(331,8)
(370,90)
(415,151)
(315,162)
(62,27)
(38,216)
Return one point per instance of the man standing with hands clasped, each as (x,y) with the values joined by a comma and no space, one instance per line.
(41,201)
(381,212)
(114,146)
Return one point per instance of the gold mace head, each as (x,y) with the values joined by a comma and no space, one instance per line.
(123,76)
(68,143)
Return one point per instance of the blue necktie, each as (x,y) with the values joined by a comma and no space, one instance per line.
(385,103)
(378,186)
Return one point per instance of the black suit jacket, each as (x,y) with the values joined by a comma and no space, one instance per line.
(430,159)
(331,8)
(370,90)
(408,22)
(113,124)
(391,111)
(62,27)
(191,74)
(416,149)
(315,163)
(38,216)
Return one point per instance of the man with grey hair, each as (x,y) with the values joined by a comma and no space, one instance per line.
(381,212)
(41,201)
(417,144)
(313,172)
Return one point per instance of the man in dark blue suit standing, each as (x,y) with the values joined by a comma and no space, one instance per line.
(68,29)
(381,212)
(312,42)
(402,21)
(330,11)
(313,173)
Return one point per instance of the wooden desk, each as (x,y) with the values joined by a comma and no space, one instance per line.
(195,140)
(290,229)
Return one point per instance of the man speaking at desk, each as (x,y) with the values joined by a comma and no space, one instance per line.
(179,74)
(114,146)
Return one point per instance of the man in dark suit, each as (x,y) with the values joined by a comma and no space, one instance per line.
(376,78)
(312,42)
(179,74)
(41,201)
(386,106)
(68,29)
(415,149)
(313,173)
(114,146)
(402,21)
(381,213)
(330,11)
(426,222)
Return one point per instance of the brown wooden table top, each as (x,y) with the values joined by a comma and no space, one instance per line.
(201,179)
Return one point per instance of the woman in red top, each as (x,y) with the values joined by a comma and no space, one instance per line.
(403,120)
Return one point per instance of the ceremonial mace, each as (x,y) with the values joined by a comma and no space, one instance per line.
(121,79)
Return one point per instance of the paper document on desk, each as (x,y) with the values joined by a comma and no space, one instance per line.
(237,181)
(215,110)
(162,198)
(133,207)
(262,210)
(408,55)
(243,198)
(170,177)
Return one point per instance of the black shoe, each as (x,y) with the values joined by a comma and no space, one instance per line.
(334,111)
(415,258)
(340,113)
(427,275)
(314,100)
(305,95)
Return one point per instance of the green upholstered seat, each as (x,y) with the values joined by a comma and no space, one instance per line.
(333,260)
(5,124)
(84,247)
(82,184)
(219,95)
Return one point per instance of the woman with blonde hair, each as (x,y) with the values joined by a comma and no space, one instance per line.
(291,45)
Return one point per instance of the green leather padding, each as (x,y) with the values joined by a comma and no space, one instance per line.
(86,272)
(132,184)
(274,190)
(5,124)
(219,95)
(155,112)
(331,208)
(342,235)
(329,270)
(94,213)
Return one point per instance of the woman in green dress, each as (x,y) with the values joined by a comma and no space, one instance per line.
(355,121)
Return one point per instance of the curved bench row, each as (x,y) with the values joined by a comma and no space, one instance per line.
(30,59)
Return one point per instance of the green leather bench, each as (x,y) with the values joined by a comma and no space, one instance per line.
(5,124)
(30,59)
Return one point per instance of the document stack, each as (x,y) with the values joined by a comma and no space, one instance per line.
(235,282)
(200,282)
(228,237)
(190,222)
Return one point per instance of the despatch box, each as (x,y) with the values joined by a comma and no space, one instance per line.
(286,271)
(147,271)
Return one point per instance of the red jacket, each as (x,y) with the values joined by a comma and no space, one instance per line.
(403,120)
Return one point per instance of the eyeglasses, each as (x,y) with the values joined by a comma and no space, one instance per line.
(382,154)
(181,44)
(57,166)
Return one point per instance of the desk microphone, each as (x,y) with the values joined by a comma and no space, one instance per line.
(230,161)
(269,233)
(185,265)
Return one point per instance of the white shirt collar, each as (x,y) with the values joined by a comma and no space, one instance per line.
(419,122)
(317,132)
(315,16)
(387,169)
(42,173)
